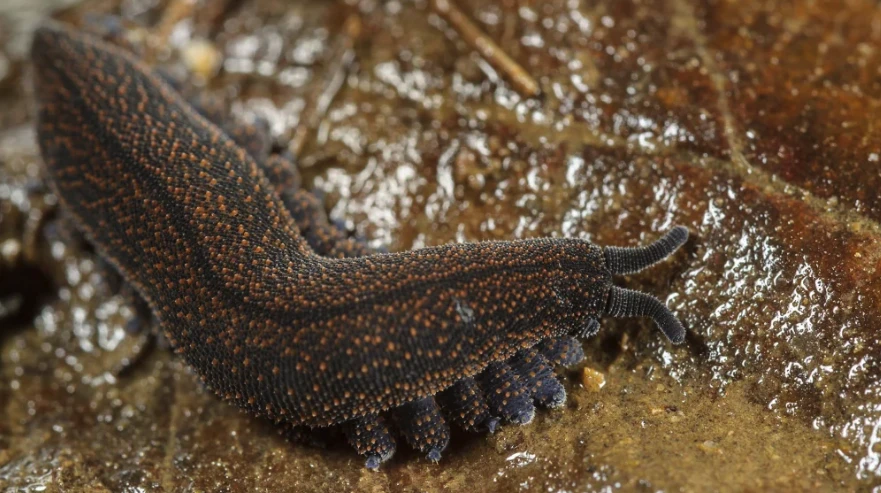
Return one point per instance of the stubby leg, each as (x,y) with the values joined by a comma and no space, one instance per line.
(563,351)
(325,238)
(423,427)
(370,437)
(506,394)
(537,374)
(464,404)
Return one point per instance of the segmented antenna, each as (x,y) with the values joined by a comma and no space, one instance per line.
(629,303)
(621,260)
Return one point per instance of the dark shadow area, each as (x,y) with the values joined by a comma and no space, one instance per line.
(23,290)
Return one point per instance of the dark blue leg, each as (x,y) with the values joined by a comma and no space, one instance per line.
(322,236)
(107,27)
(564,351)
(465,405)
(253,138)
(537,374)
(370,437)
(302,435)
(422,426)
(506,395)
(282,172)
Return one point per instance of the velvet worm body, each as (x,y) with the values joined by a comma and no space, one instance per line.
(194,223)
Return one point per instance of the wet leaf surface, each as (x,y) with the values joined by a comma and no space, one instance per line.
(749,122)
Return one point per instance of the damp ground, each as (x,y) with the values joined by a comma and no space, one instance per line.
(751,123)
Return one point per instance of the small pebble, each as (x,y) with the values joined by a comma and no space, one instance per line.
(201,58)
(710,447)
(592,379)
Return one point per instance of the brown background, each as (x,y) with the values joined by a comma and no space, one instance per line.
(751,122)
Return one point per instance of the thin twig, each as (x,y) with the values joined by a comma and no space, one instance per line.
(328,86)
(173,13)
(523,83)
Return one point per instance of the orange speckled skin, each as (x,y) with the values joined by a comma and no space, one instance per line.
(189,219)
